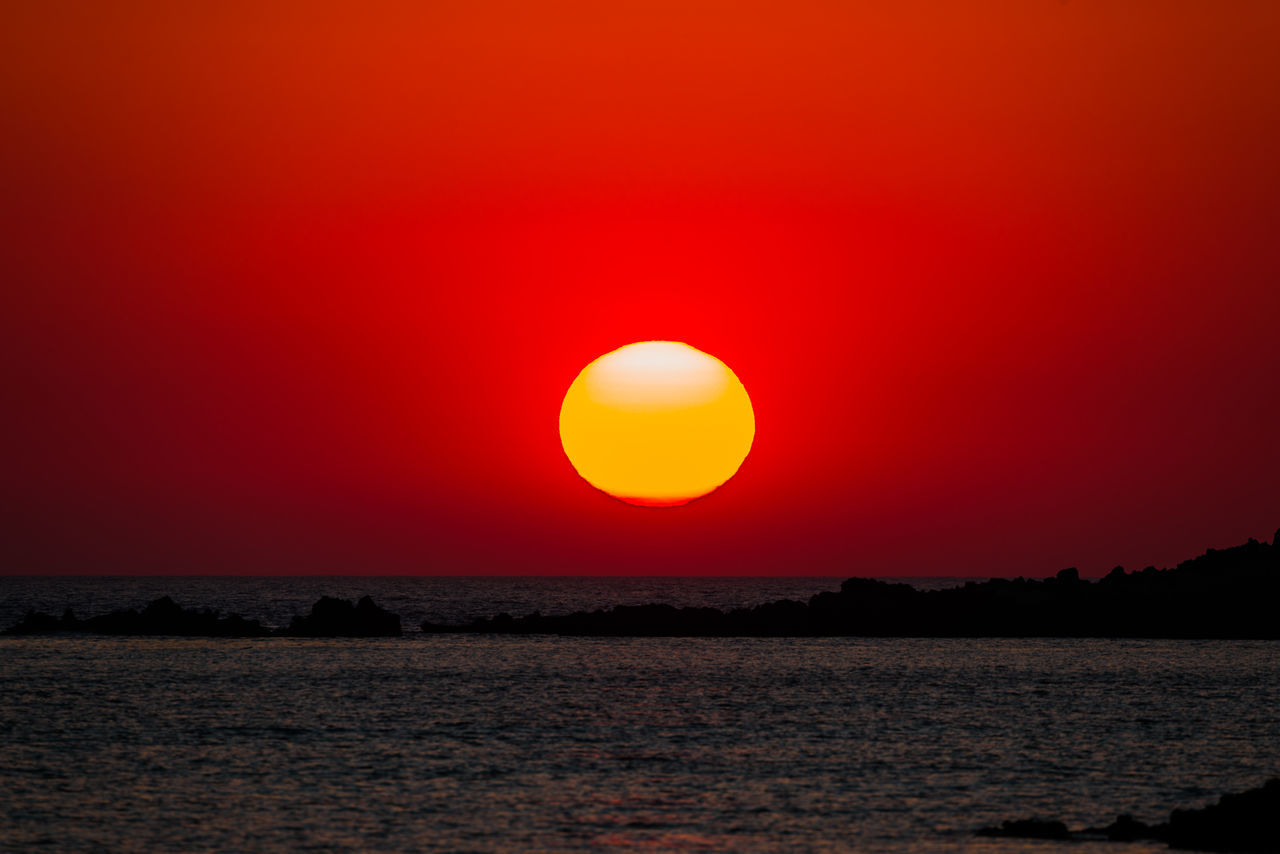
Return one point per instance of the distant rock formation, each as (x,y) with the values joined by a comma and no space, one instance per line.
(1248,821)
(1227,593)
(328,618)
(338,618)
(161,617)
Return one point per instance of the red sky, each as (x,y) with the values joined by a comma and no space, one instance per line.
(300,290)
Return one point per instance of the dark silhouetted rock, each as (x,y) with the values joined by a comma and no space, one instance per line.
(1027,828)
(1248,821)
(36,623)
(1226,593)
(1127,829)
(161,617)
(338,618)
(1115,576)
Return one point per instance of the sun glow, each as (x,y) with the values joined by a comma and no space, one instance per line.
(656,423)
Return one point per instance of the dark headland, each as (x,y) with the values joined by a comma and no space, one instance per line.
(1227,593)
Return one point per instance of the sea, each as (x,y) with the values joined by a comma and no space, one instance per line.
(482,743)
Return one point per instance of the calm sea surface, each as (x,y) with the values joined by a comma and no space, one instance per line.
(478,743)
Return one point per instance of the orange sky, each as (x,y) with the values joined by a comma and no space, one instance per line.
(300,289)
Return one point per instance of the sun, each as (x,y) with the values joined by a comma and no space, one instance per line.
(657,423)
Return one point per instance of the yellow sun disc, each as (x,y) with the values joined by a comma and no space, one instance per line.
(656,423)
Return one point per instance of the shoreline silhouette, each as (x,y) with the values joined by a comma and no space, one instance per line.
(1243,821)
(1221,594)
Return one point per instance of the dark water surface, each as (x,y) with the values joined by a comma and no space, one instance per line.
(477,743)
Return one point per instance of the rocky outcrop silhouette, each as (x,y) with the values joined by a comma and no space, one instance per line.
(1027,828)
(328,618)
(161,617)
(338,618)
(1228,593)
(1247,821)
